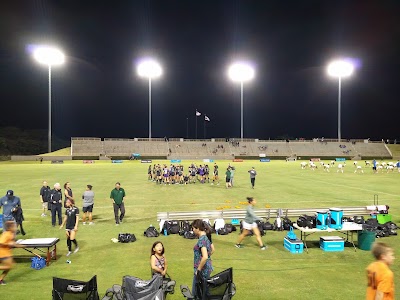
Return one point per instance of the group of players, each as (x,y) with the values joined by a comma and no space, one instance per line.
(175,174)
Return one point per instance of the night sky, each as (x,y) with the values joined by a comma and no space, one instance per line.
(97,92)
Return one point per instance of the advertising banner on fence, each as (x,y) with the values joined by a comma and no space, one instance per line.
(208,160)
(262,155)
(117,161)
(146,161)
(88,161)
(57,161)
(340,159)
(238,160)
(265,160)
(174,161)
(315,159)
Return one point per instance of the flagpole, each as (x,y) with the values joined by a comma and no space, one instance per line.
(204,129)
(196,127)
(187,128)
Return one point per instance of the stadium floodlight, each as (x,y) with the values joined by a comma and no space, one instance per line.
(149,68)
(241,72)
(49,56)
(340,69)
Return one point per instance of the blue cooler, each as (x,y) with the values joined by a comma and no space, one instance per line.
(331,243)
(322,219)
(336,215)
(294,246)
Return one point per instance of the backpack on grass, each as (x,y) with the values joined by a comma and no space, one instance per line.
(151,232)
(126,237)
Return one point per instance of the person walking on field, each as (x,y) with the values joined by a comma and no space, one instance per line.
(228,178)
(117,196)
(45,197)
(380,277)
(249,223)
(88,203)
(71,221)
(253,174)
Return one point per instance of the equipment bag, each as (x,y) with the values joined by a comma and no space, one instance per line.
(359,219)
(287,224)
(189,235)
(113,293)
(229,227)
(222,231)
(172,227)
(307,221)
(184,227)
(126,237)
(151,232)
(38,263)
(268,226)
(260,225)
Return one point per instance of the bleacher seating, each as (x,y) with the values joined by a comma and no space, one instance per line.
(221,149)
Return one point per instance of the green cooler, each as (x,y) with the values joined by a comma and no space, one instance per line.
(383,218)
(366,239)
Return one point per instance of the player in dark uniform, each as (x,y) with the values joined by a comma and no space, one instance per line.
(71,220)
(215,173)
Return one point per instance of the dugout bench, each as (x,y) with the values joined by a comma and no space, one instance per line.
(266,213)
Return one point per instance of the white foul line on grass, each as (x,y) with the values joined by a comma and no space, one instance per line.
(350,187)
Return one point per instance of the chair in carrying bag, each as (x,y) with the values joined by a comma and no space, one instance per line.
(134,288)
(217,287)
(68,289)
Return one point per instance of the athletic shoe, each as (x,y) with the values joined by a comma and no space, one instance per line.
(116,224)
(238,246)
(84,223)
(91,223)
(68,253)
(263,247)
(76,250)
(2,282)
(43,215)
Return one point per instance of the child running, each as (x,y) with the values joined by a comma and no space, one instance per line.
(7,242)
(158,261)
(380,277)
(249,223)
(71,220)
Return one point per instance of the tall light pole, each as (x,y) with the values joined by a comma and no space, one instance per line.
(241,72)
(149,68)
(340,69)
(49,56)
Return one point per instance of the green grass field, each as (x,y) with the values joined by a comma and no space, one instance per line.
(271,274)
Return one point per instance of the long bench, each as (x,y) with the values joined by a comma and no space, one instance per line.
(266,213)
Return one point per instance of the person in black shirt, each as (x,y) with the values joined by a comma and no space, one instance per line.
(45,197)
(71,221)
(56,204)
(68,193)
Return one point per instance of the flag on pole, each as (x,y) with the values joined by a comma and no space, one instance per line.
(198,114)
(206,118)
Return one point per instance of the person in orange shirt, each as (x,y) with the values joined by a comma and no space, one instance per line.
(7,241)
(380,277)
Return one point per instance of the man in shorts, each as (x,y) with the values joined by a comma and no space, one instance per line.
(88,202)
(117,196)
(45,192)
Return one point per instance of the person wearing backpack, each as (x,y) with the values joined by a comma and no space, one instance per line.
(249,223)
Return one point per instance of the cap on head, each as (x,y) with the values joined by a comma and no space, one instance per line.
(10,193)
